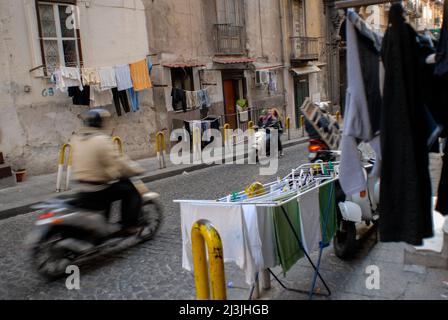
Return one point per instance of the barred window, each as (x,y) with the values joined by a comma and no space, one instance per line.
(59,34)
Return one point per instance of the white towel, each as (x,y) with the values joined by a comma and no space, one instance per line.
(123,76)
(108,79)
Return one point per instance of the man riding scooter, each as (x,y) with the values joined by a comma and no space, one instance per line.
(103,173)
(317,146)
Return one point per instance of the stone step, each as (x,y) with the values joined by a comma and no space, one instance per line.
(5,171)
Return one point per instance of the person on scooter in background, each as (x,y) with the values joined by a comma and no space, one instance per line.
(323,123)
(272,121)
(103,173)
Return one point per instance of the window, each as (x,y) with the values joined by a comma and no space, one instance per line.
(230,12)
(58,33)
(182,78)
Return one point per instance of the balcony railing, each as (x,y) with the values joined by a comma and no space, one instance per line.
(304,48)
(230,39)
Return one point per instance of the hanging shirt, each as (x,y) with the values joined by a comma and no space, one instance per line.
(100,98)
(192,99)
(90,77)
(204,99)
(66,77)
(107,77)
(134,97)
(179,99)
(123,76)
(140,75)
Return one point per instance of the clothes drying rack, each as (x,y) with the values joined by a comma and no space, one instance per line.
(277,194)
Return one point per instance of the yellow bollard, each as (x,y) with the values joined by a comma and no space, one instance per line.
(250,125)
(338,117)
(161,149)
(302,124)
(61,167)
(288,127)
(119,143)
(196,144)
(226,138)
(203,233)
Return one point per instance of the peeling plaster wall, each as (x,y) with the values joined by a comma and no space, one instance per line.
(33,127)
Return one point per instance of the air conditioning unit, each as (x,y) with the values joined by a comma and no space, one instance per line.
(261,77)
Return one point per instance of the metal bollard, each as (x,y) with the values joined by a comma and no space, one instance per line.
(61,167)
(250,125)
(161,149)
(338,117)
(196,144)
(226,138)
(302,124)
(119,143)
(203,233)
(288,127)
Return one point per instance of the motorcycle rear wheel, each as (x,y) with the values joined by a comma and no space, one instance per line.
(50,261)
(151,219)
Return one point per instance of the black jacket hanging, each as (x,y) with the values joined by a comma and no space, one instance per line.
(405,199)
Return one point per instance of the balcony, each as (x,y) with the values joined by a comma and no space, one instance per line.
(230,39)
(304,48)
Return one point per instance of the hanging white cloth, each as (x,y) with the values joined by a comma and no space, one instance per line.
(67,77)
(108,78)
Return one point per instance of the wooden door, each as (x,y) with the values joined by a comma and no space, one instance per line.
(230,103)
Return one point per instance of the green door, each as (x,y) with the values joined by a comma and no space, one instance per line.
(301,92)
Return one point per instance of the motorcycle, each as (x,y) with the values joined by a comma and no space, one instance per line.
(320,152)
(66,234)
(355,213)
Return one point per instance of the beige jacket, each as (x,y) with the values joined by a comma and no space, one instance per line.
(96,159)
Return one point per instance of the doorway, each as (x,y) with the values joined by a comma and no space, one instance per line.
(301,92)
(234,88)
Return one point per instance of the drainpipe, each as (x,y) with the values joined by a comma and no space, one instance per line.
(290,109)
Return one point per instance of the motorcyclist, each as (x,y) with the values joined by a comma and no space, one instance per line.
(323,123)
(103,173)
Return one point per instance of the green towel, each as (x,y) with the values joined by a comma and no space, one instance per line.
(242,103)
(329,223)
(288,249)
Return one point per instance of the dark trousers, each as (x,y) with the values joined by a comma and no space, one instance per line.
(122,190)
(442,202)
(120,97)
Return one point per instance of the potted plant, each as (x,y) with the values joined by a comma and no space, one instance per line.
(20,175)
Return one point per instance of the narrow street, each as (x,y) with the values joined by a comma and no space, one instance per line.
(149,271)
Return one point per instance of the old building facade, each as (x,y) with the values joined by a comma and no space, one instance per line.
(269,53)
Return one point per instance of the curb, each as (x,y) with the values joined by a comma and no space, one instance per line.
(23,209)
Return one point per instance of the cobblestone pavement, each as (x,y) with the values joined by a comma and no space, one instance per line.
(149,271)
(153,270)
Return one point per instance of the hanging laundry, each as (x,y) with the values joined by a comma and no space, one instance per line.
(80,98)
(149,61)
(288,248)
(363,102)
(192,102)
(140,75)
(123,76)
(179,99)
(100,98)
(405,196)
(120,100)
(204,99)
(108,78)
(66,77)
(90,77)
(272,85)
(134,97)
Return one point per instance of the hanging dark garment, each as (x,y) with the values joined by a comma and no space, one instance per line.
(370,66)
(442,202)
(80,98)
(405,196)
(179,99)
(120,99)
